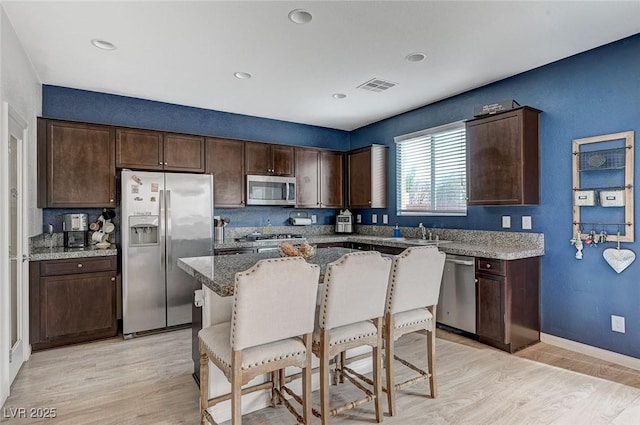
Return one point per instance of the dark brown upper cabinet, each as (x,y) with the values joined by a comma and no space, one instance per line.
(225,160)
(268,159)
(367,186)
(76,165)
(503,159)
(319,178)
(139,149)
(159,151)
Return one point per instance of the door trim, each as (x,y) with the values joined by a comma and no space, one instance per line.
(22,354)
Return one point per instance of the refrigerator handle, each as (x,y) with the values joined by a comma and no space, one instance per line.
(162,231)
(167,201)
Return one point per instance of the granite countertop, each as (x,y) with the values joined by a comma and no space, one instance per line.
(497,245)
(218,272)
(61,253)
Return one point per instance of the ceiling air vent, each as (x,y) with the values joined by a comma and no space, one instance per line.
(376,85)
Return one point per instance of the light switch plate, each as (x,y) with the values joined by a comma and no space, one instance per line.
(385,219)
(374,218)
(359,218)
(526,222)
(314,218)
(506,221)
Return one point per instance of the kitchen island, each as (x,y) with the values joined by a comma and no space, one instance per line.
(215,276)
(218,272)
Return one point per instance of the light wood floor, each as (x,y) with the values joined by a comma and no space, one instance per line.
(148,381)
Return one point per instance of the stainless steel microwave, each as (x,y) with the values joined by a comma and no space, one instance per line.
(271,190)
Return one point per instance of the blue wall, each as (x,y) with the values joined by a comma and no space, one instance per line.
(87,106)
(594,93)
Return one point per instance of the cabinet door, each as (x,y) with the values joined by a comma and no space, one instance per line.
(225,160)
(495,165)
(307,178)
(490,294)
(139,149)
(331,179)
(503,160)
(76,305)
(282,160)
(359,164)
(268,159)
(76,165)
(257,158)
(183,153)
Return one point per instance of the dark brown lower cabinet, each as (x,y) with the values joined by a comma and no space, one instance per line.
(507,294)
(72,301)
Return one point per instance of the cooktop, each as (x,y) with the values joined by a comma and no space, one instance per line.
(264,237)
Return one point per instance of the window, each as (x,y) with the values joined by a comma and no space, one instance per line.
(431,171)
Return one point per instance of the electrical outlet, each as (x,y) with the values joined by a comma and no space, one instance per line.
(617,323)
(314,218)
(526,222)
(359,218)
(374,218)
(506,221)
(385,219)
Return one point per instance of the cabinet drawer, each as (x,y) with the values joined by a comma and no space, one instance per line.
(491,266)
(77,265)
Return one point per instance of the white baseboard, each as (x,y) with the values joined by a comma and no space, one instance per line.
(589,350)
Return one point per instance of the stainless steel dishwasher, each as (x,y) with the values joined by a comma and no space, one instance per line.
(457,303)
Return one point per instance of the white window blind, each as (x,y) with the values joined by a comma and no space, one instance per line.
(431,171)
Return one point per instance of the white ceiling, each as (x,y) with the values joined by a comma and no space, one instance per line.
(187,52)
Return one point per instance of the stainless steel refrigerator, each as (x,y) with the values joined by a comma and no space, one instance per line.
(164,216)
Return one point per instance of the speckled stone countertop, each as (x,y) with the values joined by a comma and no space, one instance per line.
(50,247)
(218,272)
(61,253)
(474,243)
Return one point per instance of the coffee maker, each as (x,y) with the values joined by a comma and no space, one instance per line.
(74,228)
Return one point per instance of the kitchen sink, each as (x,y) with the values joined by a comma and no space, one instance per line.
(416,241)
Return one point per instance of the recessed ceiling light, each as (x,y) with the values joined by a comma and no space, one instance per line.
(242,75)
(415,57)
(338,95)
(102,44)
(299,16)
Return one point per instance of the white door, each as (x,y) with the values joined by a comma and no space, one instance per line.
(17,265)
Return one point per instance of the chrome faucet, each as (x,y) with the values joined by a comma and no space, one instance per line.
(423,230)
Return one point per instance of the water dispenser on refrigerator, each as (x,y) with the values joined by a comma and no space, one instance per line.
(143,230)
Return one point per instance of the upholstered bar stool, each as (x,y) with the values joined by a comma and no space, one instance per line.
(271,328)
(412,298)
(350,315)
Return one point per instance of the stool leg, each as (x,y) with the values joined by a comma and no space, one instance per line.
(377,378)
(274,384)
(236,388)
(343,363)
(204,386)
(324,376)
(306,382)
(389,364)
(431,361)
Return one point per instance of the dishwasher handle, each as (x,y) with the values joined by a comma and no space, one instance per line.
(460,262)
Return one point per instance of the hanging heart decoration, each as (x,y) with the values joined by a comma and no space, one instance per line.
(619,259)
